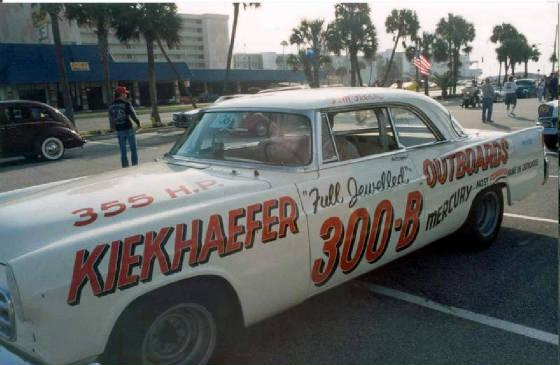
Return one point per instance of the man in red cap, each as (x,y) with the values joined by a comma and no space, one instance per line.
(120,113)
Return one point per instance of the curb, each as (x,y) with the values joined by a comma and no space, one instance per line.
(107,134)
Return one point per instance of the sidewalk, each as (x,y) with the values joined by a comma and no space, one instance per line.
(98,123)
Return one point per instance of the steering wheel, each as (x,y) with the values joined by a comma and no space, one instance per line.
(273,148)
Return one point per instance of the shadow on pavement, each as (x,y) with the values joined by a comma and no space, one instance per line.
(91,151)
(514,279)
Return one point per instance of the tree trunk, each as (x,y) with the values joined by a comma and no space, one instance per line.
(391,60)
(357,68)
(231,43)
(68,105)
(426,85)
(352,68)
(506,68)
(103,49)
(181,80)
(500,74)
(526,73)
(156,121)
(455,70)
(315,67)
(513,69)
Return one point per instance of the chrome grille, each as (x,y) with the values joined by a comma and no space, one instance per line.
(7,316)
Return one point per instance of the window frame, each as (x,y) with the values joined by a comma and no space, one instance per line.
(203,163)
(326,165)
(440,138)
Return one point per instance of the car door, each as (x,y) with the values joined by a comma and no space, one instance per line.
(19,132)
(447,201)
(363,208)
(4,119)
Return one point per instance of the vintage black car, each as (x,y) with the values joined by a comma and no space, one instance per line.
(29,128)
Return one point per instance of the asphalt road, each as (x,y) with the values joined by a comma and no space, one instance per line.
(440,305)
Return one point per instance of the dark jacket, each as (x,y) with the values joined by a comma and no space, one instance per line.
(120,113)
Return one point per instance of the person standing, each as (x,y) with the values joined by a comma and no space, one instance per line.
(510,88)
(553,86)
(540,89)
(120,113)
(487,101)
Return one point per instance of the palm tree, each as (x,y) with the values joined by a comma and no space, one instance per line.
(300,62)
(100,18)
(443,81)
(154,22)
(232,40)
(458,33)
(309,36)
(402,23)
(503,35)
(353,32)
(41,11)
(553,58)
(530,53)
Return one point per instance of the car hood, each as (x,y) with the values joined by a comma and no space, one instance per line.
(37,217)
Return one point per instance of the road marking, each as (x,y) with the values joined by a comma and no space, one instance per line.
(103,143)
(511,215)
(533,333)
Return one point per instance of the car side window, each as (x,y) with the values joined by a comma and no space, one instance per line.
(40,114)
(20,114)
(360,133)
(327,142)
(4,116)
(411,129)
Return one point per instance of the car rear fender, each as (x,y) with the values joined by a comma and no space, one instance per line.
(60,132)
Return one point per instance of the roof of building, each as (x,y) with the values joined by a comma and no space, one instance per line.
(36,63)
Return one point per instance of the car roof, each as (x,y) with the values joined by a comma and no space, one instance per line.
(26,102)
(322,98)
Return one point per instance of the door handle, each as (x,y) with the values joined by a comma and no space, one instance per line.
(399,158)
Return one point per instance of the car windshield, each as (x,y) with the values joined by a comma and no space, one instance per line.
(256,137)
(524,82)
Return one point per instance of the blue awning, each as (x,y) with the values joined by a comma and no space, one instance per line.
(36,64)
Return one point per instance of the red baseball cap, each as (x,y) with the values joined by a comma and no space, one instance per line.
(121,90)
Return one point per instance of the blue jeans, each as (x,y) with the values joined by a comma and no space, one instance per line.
(130,136)
(487,105)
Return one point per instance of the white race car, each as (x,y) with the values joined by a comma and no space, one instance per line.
(154,264)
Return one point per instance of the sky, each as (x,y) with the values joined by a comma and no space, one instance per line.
(263,29)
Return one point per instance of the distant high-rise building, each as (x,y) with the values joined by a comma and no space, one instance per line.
(203,38)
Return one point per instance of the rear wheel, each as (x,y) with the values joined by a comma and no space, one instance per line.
(484,220)
(52,148)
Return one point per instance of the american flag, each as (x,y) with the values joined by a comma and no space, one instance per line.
(422,64)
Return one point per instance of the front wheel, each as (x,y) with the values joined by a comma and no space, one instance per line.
(52,148)
(182,335)
(485,219)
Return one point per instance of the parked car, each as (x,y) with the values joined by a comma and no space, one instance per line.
(156,264)
(30,128)
(185,119)
(526,88)
(206,98)
(548,119)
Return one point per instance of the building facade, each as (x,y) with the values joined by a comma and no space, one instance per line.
(204,38)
